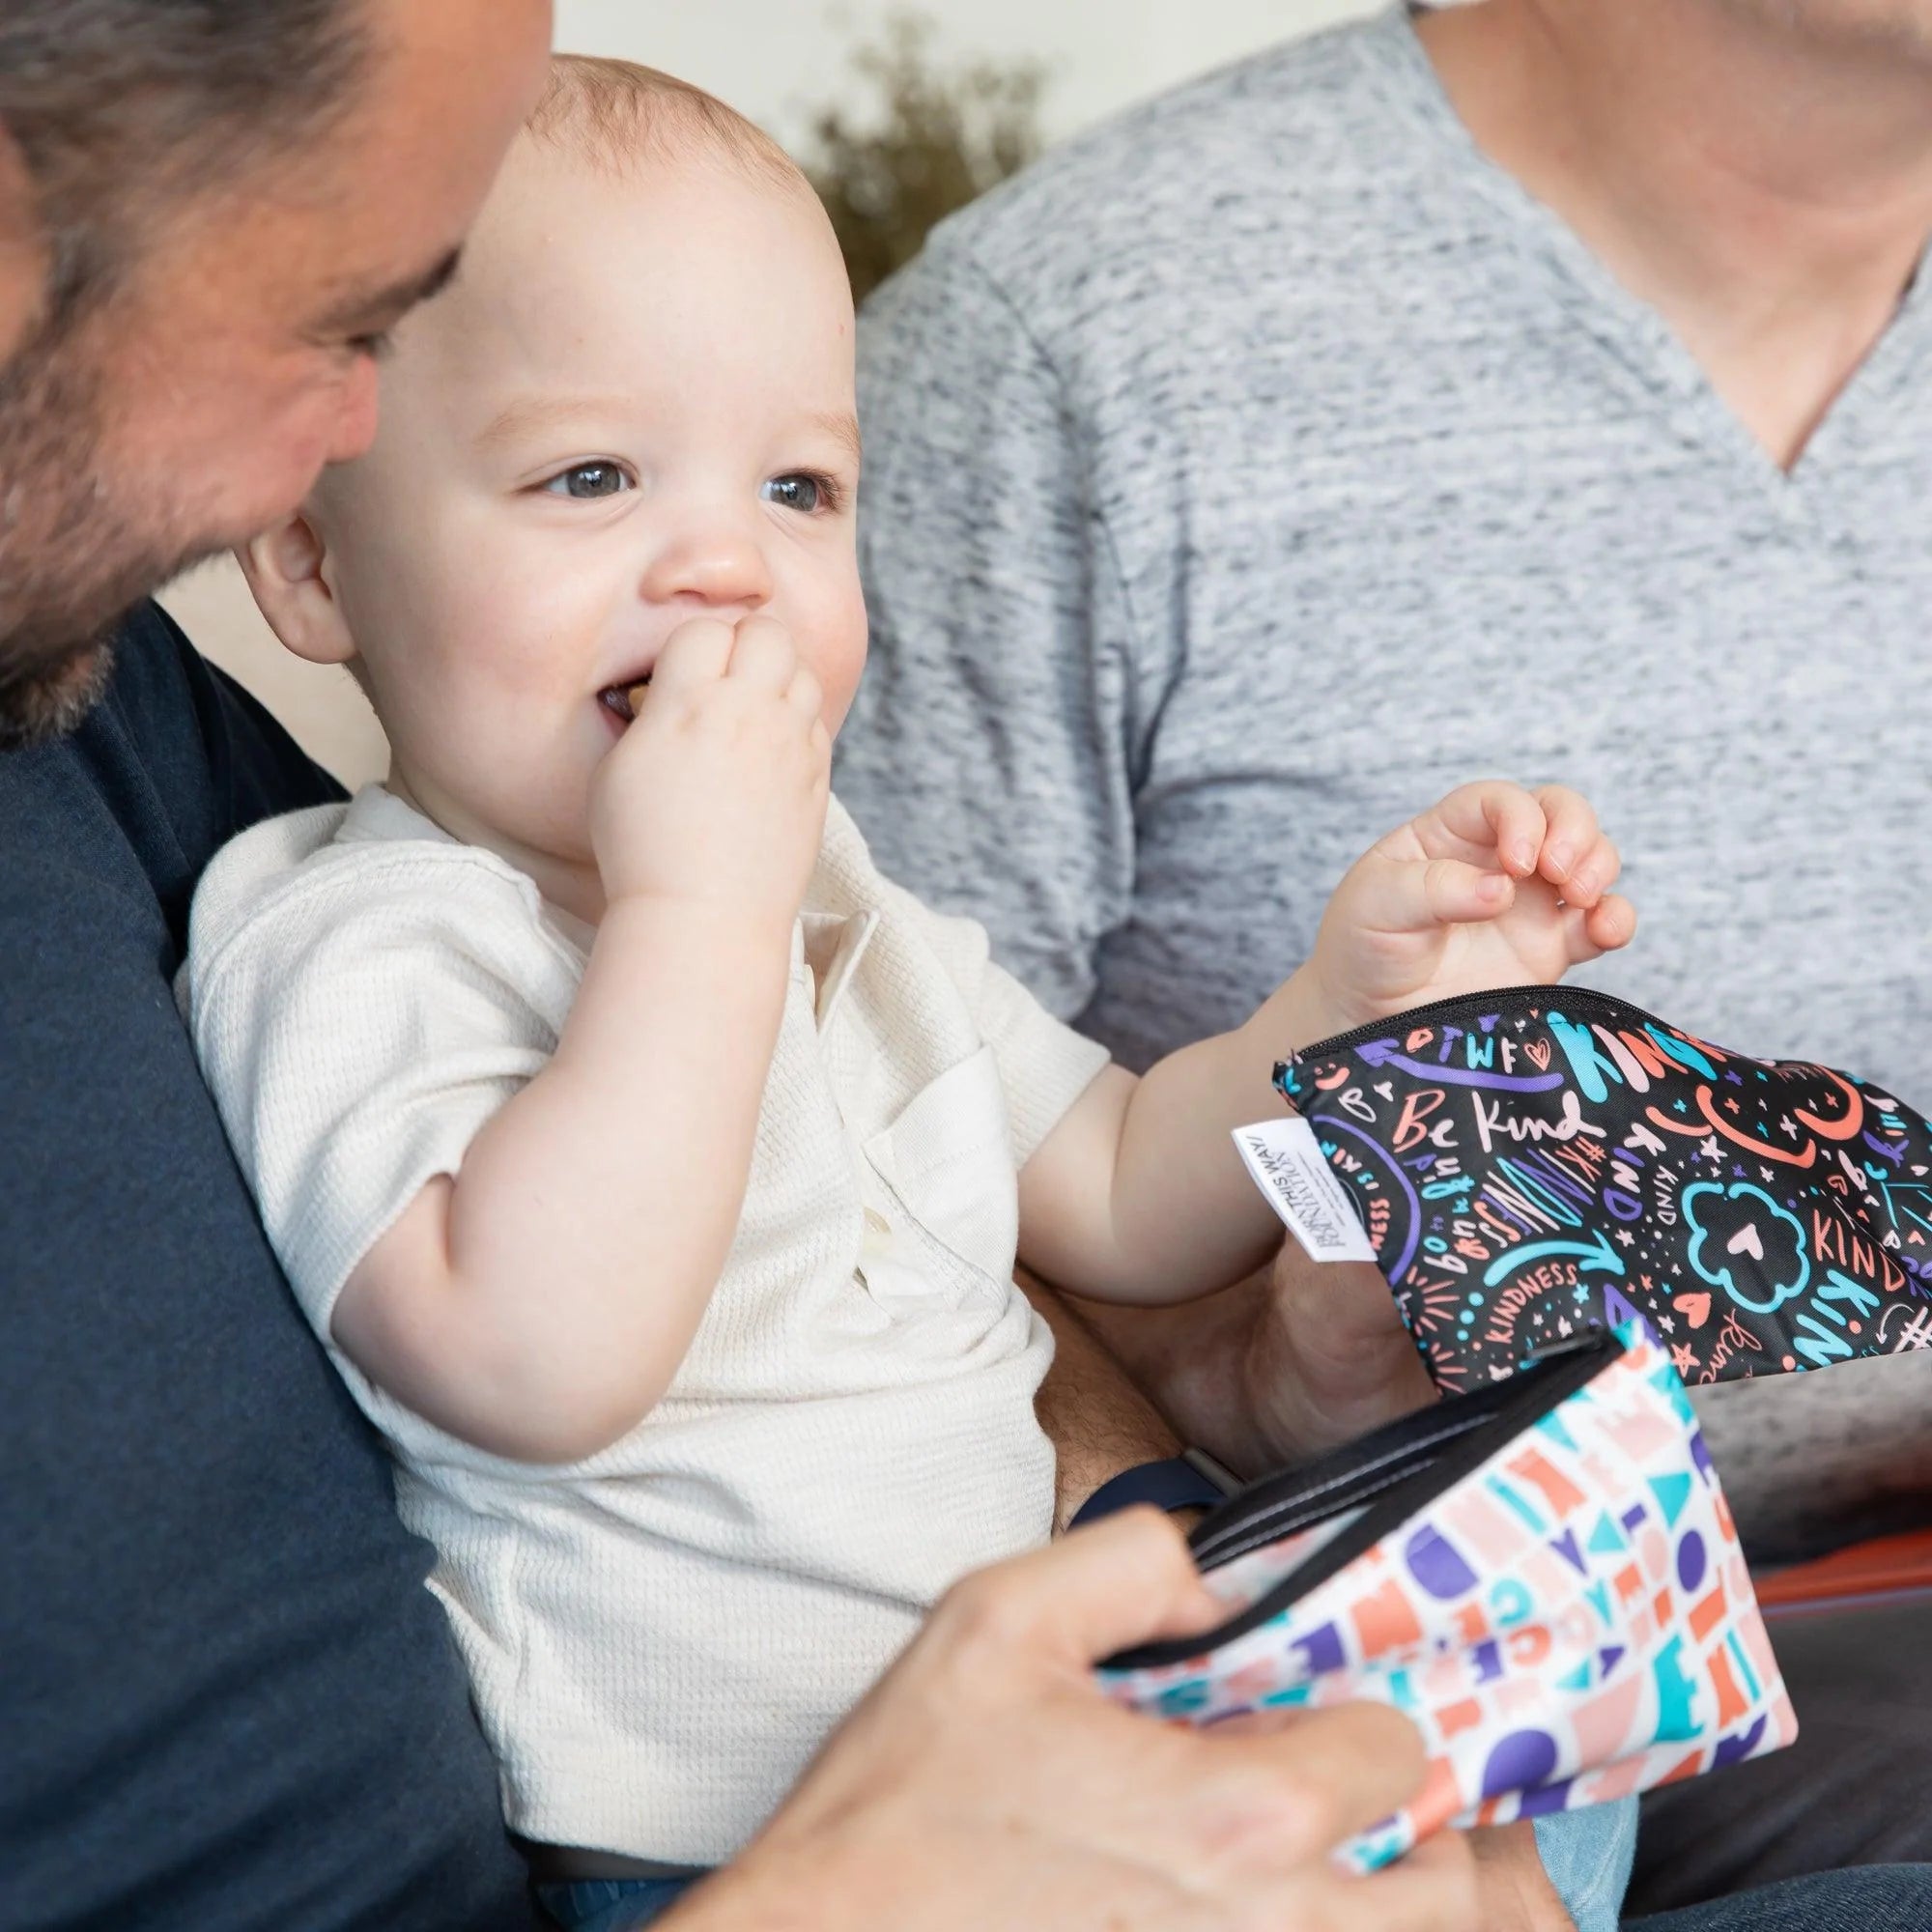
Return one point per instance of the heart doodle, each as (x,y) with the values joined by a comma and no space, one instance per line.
(1747,1241)
(1539,1051)
(1695,1309)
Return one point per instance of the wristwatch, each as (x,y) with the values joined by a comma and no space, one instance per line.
(1191,1480)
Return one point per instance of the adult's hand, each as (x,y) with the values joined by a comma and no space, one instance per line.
(1291,1362)
(986,1782)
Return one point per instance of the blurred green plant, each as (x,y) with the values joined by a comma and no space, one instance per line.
(936,138)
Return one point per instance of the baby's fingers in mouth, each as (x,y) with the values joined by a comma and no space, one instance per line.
(624,698)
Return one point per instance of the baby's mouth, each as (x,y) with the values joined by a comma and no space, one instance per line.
(622,698)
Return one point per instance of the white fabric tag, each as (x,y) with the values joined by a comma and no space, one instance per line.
(1289,1167)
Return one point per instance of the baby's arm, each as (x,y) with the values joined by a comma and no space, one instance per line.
(539,1303)
(1137,1194)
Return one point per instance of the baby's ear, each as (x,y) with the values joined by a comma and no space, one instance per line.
(284,569)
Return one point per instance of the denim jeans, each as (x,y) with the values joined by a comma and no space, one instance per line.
(1846,1795)
(1587,1857)
(1871,1898)
(611,1904)
(1877,1898)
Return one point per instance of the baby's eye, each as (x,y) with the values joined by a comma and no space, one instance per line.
(797,491)
(588,480)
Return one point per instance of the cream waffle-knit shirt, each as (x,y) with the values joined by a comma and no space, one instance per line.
(659,1636)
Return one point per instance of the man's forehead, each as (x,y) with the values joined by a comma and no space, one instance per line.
(354,304)
(379,194)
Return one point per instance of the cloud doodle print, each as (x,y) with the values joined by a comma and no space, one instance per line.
(1744,1242)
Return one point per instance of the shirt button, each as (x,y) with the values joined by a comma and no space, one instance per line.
(876,1222)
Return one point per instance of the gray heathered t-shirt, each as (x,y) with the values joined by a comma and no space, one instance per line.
(1257,468)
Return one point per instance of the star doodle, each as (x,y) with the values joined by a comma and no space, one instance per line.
(1669,1326)
(1707,1150)
(1626,1238)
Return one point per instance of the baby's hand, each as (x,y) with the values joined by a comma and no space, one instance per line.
(1493,887)
(716,792)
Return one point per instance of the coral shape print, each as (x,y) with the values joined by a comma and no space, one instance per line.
(1566,1622)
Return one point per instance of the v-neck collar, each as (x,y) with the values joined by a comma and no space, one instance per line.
(1648,358)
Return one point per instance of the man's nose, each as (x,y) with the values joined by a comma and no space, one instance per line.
(710,564)
(354,426)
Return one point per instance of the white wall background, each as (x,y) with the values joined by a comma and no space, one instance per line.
(776,61)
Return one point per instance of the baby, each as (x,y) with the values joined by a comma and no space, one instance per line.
(652,1168)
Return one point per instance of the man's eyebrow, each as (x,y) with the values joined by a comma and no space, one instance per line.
(377,309)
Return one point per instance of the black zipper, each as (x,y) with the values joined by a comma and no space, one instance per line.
(1407,1466)
(1464,1003)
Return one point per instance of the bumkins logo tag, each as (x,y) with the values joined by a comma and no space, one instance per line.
(1289,1166)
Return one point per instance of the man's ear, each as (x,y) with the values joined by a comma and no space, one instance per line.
(285,570)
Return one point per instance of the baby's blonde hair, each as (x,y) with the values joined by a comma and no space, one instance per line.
(614,114)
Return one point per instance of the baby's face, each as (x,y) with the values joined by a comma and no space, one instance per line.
(633,408)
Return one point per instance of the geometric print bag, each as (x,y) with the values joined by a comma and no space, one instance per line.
(1542,1575)
(1532,1162)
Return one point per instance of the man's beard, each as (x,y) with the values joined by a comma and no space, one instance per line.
(75,556)
(48,699)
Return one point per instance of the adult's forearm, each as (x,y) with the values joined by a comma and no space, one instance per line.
(1287,1364)
(1099,1420)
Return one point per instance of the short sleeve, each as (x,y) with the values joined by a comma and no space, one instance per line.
(1044,1064)
(989,752)
(358,1022)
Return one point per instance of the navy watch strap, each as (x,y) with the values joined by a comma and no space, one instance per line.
(1193,1481)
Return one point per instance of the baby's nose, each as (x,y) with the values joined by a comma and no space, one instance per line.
(714,568)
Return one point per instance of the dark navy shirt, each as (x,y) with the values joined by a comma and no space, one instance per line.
(226,1699)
